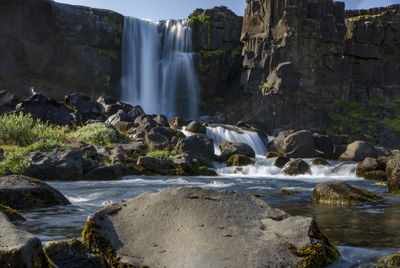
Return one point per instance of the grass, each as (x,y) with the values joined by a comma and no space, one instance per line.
(163,156)
(96,134)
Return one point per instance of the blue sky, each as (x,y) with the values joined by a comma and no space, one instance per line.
(179,9)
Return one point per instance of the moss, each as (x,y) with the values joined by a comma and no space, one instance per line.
(390,261)
(42,262)
(97,244)
(288,192)
(315,255)
(320,162)
(237,160)
(11,214)
(266,85)
(272,154)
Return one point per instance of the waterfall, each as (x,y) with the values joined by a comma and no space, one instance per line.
(157,67)
(221,133)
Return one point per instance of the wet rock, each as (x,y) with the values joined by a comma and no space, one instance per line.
(21,192)
(376,175)
(281,161)
(359,150)
(84,107)
(297,167)
(320,162)
(184,161)
(19,248)
(105,172)
(45,109)
(367,165)
(341,193)
(8,101)
(71,254)
(11,214)
(58,164)
(150,163)
(272,154)
(238,160)
(393,174)
(156,141)
(324,144)
(186,226)
(392,261)
(197,146)
(295,144)
(288,192)
(178,122)
(228,149)
(196,127)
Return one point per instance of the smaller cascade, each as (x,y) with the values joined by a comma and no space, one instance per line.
(221,133)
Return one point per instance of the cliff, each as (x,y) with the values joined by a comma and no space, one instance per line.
(59,48)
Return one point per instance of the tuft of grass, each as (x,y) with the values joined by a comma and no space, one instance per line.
(163,156)
(96,134)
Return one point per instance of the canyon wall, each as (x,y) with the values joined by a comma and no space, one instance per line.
(59,48)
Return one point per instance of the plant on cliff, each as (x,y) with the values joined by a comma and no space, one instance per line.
(22,130)
(97,134)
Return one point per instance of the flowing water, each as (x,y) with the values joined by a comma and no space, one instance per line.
(157,69)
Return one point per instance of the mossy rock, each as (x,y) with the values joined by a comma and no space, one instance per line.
(11,214)
(238,160)
(315,255)
(272,155)
(320,162)
(367,165)
(297,167)
(205,171)
(377,175)
(288,192)
(281,161)
(196,127)
(392,261)
(341,193)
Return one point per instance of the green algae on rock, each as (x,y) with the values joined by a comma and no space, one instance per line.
(11,214)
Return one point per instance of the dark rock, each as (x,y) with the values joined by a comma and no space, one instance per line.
(393,174)
(135,112)
(58,164)
(281,161)
(376,175)
(17,247)
(320,162)
(112,106)
(249,225)
(150,163)
(104,172)
(238,160)
(45,109)
(156,141)
(178,122)
(295,144)
(323,143)
(196,127)
(161,120)
(84,107)
(8,101)
(297,167)
(120,116)
(272,154)
(89,152)
(341,193)
(228,149)
(21,192)
(196,146)
(184,161)
(71,254)
(145,123)
(1,154)
(11,214)
(338,150)
(166,132)
(288,192)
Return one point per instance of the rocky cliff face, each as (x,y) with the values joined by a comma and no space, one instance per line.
(59,48)
(310,64)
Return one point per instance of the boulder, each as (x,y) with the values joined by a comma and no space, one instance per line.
(193,227)
(392,261)
(166,132)
(288,192)
(19,248)
(295,144)
(112,106)
(324,144)
(21,192)
(228,149)
(237,160)
(71,254)
(367,165)
(272,155)
(150,163)
(341,193)
(104,172)
(184,160)
(145,122)
(156,141)
(376,175)
(320,162)
(84,107)
(359,150)
(196,127)
(58,164)
(120,116)
(197,146)
(8,101)
(45,109)
(297,167)
(178,122)
(135,112)
(393,174)
(161,120)
(281,161)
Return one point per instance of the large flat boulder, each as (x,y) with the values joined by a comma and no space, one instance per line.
(299,144)
(194,227)
(21,192)
(18,248)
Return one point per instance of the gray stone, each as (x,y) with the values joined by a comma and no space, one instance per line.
(156,141)
(197,146)
(228,149)
(393,174)
(84,107)
(297,167)
(359,150)
(299,144)
(150,163)
(193,227)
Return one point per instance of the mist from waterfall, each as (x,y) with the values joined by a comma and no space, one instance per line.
(157,67)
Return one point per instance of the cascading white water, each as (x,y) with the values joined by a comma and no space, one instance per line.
(157,67)
(221,133)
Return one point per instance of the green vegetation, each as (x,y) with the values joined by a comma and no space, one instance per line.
(163,156)
(23,130)
(202,18)
(265,84)
(97,134)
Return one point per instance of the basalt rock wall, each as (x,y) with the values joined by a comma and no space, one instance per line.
(311,64)
(59,48)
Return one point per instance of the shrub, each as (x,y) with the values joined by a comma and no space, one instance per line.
(15,162)
(163,156)
(97,134)
(23,130)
